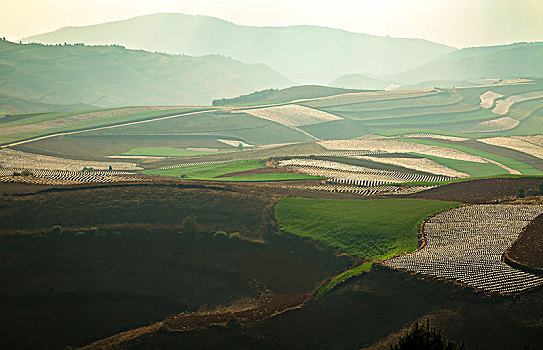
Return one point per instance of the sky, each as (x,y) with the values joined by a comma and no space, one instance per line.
(459,23)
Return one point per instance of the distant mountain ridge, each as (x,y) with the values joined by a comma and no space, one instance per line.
(111,76)
(305,54)
(520,60)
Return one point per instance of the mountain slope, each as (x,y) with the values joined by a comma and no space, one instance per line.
(110,76)
(509,61)
(306,54)
(359,81)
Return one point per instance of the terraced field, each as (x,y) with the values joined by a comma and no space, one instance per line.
(10,158)
(50,123)
(64,177)
(242,170)
(338,172)
(466,245)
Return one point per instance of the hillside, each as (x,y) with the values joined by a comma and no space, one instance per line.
(509,61)
(298,52)
(110,76)
(359,81)
(271,96)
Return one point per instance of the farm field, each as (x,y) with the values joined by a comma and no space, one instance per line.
(524,253)
(216,172)
(519,167)
(227,174)
(171,151)
(388,227)
(226,262)
(50,123)
(467,244)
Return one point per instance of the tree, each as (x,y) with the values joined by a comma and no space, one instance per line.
(240,146)
(521,193)
(110,168)
(189,226)
(541,188)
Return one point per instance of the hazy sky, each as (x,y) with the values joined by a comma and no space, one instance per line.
(458,23)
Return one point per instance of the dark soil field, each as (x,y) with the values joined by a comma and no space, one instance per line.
(372,311)
(527,250)
(125,258)
(482,190)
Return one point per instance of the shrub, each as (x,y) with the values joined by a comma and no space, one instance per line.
(220,235)
(236,235)
(521,193)
(56,231)
(541,188)
(189,226)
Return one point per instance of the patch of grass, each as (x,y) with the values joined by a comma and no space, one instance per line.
(210,172)
(365,267)
(525,169)
(369,229)
(167,152)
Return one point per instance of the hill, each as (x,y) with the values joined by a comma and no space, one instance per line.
(298,52)
(271,96)
(359,81)
(110,76)
(508,61)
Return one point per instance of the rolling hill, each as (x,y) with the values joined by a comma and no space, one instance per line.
(359,81)
(305,54)
(111,76)
(508,61)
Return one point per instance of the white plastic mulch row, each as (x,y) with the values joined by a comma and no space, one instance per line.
(64,177)
(466,244)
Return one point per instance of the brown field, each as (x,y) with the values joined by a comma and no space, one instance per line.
(482,190)
(527,250)
(124,260)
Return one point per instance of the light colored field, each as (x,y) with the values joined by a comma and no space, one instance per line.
(419,164)
(10,158)
(391,146)
(292,115)
(466,244)
(235,143)
(535,140)
(167,152)
(434,136)
(503,106)
(358,97)
(500,124)
(353,174)
(78,118)
(517,144)
(488,98)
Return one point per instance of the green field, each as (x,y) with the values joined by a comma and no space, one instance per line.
(238,126)
(472,168)
(210,172)
(370,229)
(51,123)
(167,152)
